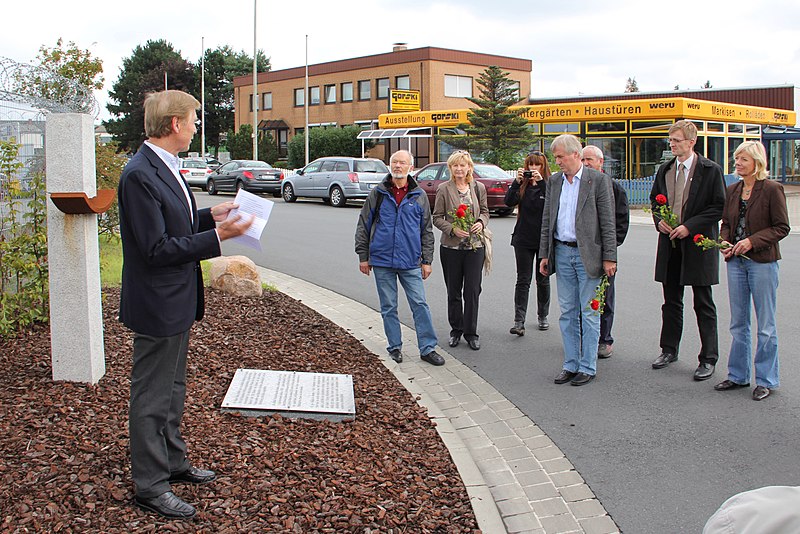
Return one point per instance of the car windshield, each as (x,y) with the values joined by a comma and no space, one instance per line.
(256,165)
(370,165)
(194,164)
(492,172)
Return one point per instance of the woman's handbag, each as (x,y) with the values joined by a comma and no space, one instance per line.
(486,239)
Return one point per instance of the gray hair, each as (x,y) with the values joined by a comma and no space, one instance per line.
(595,149)
(569,143)
(410,156)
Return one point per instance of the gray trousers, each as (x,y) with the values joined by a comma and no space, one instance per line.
(158,390)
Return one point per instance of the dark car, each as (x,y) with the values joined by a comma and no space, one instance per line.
(335,179)
(495,179)
(252,176)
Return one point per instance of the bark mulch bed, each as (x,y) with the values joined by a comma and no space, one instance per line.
(64,464)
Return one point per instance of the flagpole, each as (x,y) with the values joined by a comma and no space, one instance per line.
(203,98)
(255,85)
(305,99)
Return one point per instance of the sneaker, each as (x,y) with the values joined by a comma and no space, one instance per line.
(433,358)
(605,350)
(396,355)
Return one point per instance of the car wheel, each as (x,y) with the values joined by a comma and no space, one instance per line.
(337,197)
(288,193)
(211,187)
(504,213)
(239,185)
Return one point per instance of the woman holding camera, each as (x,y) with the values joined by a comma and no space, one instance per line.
(462,252)
(527,192)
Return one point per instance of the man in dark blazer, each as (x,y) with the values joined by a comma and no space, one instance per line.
(695,191)
(164,237)
(578,243)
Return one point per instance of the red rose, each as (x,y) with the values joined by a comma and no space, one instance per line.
(698,238)
(595,304)
(462,207)
(661,200)
(460,213)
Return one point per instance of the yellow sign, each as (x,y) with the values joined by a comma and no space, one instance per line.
(404,100)
(649,108)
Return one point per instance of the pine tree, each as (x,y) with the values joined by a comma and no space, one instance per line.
(631,86)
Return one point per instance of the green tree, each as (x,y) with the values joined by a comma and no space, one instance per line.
(108,168)
(221,66)
(500,134)
(707,85)
(325,142)
(142,73)
(631,86)
(240,145)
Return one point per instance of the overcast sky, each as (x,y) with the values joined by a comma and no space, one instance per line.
(576,47)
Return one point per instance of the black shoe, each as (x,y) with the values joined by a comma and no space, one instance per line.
(433,358)
(474,344)
(761,393)
(581,379)
(168,505)
(518,329)
(193,475)
(564,376)
(454,340)
(543,324)
(725,385)
(704,371)
(664,359)
(396,355)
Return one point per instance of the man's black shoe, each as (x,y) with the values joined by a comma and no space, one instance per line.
(193,475)
(761,393)
(564,376)
(396,355)
(454,340)
(474,344)
(517,329)
(725,385)
(543,324)
(581,379)
(168,505)
(664,359)
(704,371)
(433,358)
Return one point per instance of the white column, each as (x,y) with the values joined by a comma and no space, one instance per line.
(76,319)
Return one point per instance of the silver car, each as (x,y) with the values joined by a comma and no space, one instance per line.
(195,171)
(335,179)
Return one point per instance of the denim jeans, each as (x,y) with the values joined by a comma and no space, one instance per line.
(749,281)
(411,280)
(575,290)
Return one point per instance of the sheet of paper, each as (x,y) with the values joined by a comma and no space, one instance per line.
(261,208)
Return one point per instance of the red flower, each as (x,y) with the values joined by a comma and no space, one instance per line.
(661,200)
(462,207)
(595,304)
(698,238)
(461,213)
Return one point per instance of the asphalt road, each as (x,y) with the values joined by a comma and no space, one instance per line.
(659,450)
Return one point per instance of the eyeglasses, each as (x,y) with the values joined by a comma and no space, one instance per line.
(676,141)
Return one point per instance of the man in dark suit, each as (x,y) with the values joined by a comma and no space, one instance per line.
(695,191)
(592,157)
(164,237)
(578,243)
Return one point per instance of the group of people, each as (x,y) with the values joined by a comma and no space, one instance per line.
(570,222)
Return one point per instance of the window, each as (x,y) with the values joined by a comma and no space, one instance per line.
(562,128)
(299,97)
(647,154)
(715,150)
(267,101)
(402,82)
(733,144)
(330,94)
(251,97)
(605,127)
(614,163)
(313,96)
(364,90)
(328,165)
(457,86)
(312,167)
(428,174)
(347,92)
(383,87)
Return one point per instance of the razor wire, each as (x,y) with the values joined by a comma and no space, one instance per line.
(44,89)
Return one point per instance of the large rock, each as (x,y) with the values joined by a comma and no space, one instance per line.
(236,275)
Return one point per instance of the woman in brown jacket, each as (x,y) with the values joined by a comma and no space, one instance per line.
(753,221)
(461,251)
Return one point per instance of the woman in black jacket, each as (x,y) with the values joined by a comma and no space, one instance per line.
(527,192)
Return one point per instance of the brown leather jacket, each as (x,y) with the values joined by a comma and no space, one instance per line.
(766,218)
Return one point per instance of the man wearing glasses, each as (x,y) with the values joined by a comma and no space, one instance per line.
(695,191)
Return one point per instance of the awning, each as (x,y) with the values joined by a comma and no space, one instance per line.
(397,133)
(279,124)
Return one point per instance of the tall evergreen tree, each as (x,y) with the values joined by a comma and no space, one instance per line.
(143,72)
(498,133)
(631,86)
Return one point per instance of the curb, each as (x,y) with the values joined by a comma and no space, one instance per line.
(516,477)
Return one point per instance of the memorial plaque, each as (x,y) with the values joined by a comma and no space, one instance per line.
(292,394)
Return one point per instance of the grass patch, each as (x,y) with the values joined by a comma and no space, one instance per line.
(110,261)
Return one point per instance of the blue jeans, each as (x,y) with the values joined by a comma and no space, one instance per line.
(411,280)
(575,290)
(757,282)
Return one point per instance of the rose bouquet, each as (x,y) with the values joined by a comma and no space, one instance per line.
(598,303)
(665,213)
(463,219)
(706,243)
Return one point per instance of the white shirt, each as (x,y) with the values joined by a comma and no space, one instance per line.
(568,208)
(686,166)
(173,163)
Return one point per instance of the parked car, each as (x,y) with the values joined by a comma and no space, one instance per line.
(195,171)
(335,179)
(497,182)
(252,176)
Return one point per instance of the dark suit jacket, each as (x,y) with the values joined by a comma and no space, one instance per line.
(622,215)
(594,221)
(162,285)
(701,215)
(766,218)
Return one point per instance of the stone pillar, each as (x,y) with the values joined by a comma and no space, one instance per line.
(76,320)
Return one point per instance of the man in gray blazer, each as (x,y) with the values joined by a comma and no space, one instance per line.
(579,243)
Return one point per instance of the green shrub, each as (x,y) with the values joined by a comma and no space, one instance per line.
(326,142)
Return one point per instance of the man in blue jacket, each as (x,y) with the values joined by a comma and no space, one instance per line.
(394,238)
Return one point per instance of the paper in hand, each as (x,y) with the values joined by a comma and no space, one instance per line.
(250,204)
